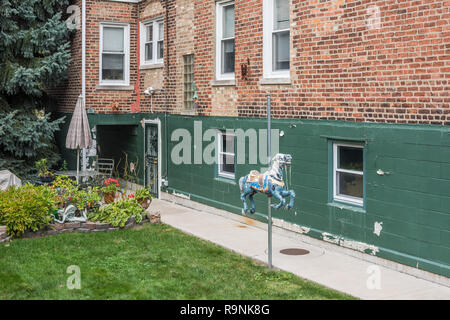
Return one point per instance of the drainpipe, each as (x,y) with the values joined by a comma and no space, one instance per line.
(83,65)
(166,133)
(83,52)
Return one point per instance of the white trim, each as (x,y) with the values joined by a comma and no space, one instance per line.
(340,197)
(126,81)
(226,175)
(268,18)
(143,36)
(219,31)
(157,122)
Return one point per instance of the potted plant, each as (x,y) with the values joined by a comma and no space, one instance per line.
(45,175)
(143,197)
(109,190)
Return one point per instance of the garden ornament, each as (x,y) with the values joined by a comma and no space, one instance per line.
(272,183)
(68,215)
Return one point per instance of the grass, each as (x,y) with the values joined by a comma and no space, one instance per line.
(153,262)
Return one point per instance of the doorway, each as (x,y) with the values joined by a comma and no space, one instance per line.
(152,152)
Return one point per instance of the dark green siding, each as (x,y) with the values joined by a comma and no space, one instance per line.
(412,200)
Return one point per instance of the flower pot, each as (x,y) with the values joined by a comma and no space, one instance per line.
(146,203)
(109,197)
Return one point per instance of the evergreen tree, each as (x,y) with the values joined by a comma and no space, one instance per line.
(34,55)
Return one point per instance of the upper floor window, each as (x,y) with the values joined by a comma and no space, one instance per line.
(348,173)
(276,38)
(188,79)
(114,54)
(225,41)
(152,42)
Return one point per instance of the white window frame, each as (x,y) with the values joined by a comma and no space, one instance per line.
(344,198)
(219,32)
(268,30)
(143,37)
(126,43)
(220,152)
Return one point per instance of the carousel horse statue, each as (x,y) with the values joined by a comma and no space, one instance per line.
(271,183)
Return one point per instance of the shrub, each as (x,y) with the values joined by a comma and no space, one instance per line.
(118,213)
(26,208)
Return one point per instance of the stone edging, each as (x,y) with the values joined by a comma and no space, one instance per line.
(80,227)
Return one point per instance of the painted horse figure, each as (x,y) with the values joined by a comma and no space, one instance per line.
(271,183)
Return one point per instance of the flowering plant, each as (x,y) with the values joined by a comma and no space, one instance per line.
(110,186)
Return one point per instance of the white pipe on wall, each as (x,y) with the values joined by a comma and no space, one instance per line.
(83,66)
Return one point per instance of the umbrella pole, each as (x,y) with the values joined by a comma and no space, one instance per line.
(78,164)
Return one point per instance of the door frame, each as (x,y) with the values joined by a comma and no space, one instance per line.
(158,123)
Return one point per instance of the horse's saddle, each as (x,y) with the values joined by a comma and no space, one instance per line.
(260,181)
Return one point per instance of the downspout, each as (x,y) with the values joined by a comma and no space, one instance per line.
(83,65)
(165,95)
(83,52)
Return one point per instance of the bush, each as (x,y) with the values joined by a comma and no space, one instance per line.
(26,208)
(142,194)
(68,192)
(118,213)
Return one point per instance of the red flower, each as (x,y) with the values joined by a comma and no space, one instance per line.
(131,196)
(70,198)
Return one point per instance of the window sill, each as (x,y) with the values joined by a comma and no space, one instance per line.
(188,112)
(275,81)
(115,87)
(151,66)
(343,206)
(223,83)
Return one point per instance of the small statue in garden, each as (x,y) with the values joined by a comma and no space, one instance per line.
(271,183)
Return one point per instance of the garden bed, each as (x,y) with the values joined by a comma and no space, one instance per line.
(80,227)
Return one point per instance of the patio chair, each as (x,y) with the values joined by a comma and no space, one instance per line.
(105,167)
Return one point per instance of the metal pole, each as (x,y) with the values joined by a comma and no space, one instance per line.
(269,151)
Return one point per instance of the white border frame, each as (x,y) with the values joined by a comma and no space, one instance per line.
(158,123)
(219,29)
(268,18)
(142,35)
(126,43)
(343,198)
(221,174)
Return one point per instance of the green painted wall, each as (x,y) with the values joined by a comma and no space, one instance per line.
(412,202)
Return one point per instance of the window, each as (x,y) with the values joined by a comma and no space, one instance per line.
(276,38)
(348,173)
(225,41)
(188,81)
(226,154)
(114,54)
(152,42)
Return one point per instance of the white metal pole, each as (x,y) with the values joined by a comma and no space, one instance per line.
(83,69)
(269,151)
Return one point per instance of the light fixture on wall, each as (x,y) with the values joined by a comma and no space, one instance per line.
(150,91)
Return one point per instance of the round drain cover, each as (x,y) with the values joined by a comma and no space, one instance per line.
(294,252)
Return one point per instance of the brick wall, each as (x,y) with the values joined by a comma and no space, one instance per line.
(345,63)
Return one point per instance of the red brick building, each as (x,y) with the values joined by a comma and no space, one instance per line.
(362,80)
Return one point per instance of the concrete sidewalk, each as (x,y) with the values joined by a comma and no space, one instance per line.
(325,266)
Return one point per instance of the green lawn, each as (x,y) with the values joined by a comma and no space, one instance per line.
(154,262)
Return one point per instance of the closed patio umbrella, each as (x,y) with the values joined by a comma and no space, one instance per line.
(79,134)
